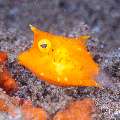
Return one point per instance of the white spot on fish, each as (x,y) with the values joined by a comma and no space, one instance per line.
(66,79)
(58,79)
(42,74)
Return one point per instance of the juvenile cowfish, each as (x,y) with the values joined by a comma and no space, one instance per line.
(60,60)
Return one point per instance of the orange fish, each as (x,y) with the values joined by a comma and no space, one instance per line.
(60,60)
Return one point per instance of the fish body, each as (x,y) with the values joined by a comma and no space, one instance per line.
(60,60)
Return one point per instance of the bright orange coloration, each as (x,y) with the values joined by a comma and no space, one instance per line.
(16,107)
(3,56)
(6,81)
(77,110)
(33,113)
(60,60)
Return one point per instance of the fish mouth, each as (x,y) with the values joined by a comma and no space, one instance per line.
(22,58)
(27,58)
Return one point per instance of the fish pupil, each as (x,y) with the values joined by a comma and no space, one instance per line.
(44,45)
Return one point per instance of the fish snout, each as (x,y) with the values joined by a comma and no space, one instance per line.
(22,58)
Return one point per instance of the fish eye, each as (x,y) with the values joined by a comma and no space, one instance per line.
(44,45)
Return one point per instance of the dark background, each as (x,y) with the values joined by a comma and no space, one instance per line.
(102,16)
